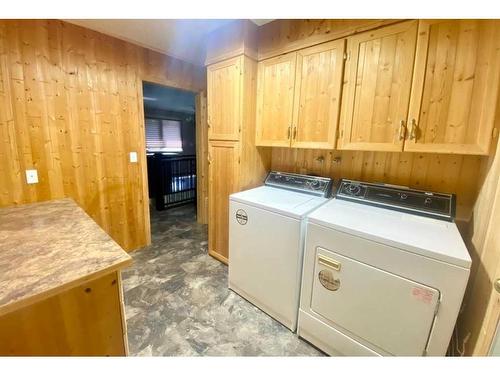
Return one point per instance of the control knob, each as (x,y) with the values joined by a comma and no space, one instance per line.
(353,189)
(314,185)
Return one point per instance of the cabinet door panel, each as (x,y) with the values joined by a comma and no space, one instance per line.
(275,92)
(223,99)
(317,95)
(377,89)
(223,181)
(455,86)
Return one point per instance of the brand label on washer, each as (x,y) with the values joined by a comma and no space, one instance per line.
(241,217)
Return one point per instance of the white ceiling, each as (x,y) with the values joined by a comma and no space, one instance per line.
(180,38)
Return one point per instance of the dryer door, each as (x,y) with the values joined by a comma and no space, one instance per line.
(390,312)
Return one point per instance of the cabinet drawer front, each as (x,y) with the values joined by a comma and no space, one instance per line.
(275,94)
(455,86)
(378,73)
(317,95)
(224,100)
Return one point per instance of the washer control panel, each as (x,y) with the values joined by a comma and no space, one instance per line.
(423,203)
(320,186)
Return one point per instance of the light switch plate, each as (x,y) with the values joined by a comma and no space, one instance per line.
(133,157)
(31,176)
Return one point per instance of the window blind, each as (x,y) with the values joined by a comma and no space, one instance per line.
(163,135)
(172,135)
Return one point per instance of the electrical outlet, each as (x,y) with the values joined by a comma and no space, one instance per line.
(133,157)
(31,176)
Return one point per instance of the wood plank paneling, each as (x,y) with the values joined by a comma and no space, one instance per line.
(481,305)
(71,107)
(283,36)
(442,173)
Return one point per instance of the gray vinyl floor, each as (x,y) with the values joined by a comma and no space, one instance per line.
(177,302)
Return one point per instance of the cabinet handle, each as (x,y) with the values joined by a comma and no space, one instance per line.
(209,158)
(413,132)
(402,130)
(496,284)
(294,132)
(289,131)
(329,262)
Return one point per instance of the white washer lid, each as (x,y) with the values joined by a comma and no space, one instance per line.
(282,201)
(432,238)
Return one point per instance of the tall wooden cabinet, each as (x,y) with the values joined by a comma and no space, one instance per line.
(235,163)
(298,97)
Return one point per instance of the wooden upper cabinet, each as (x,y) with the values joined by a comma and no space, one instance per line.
(275,92)
(317,95)
(224,99)
(377,88)
(455,86)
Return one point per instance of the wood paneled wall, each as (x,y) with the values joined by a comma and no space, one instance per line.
(481,306)
(71,107)
(442,173)
(282,36)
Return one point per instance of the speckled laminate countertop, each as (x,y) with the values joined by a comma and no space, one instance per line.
(49,247)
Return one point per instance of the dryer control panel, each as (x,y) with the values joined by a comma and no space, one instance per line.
(399,198)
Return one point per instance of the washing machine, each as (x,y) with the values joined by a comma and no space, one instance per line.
(266,241)
(385,271)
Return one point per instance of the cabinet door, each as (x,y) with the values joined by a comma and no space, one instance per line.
(224,99)
(275,91)
(223,180)
(455,86)
(378,73)
(317,95)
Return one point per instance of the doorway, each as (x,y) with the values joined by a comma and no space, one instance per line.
(170,127)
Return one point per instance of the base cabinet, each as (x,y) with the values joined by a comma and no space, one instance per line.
(87,320)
